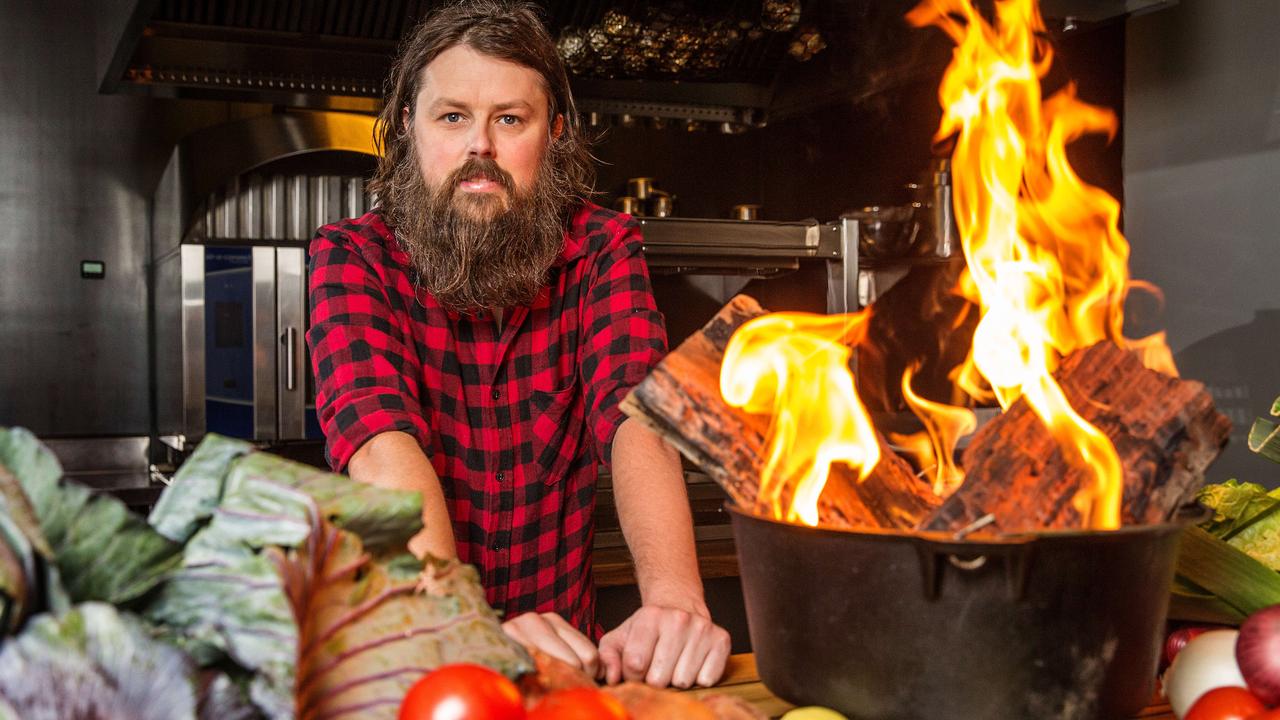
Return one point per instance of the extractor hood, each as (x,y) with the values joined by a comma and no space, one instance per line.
(729,64)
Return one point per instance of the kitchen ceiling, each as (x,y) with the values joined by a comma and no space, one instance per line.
(732,62)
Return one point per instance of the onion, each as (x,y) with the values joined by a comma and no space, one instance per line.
(1258,654)
(1208,661)
(1178,639)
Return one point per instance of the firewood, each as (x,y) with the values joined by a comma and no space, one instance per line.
(681,401)
(1166,431)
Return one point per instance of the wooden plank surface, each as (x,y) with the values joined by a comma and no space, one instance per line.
(742,680)
(614,566)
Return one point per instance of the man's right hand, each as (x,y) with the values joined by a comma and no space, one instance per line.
(551,634)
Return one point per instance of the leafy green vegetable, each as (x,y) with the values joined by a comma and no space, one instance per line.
(94,662)
(1261,540)
(1264,436)
(224,474)
(15,504)
(227,601)
(188,502)
(1236,506)
(275,560)
(290,586)
(1193,603)
(101,550)
(1245,514)
(367,636)
(221,698)
(1225,572)
(17,575)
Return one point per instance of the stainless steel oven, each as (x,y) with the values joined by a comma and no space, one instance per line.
(230,270)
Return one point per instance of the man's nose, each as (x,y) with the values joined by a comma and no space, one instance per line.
(481,144)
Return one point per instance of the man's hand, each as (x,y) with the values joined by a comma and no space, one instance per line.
(551,634)
(665,646)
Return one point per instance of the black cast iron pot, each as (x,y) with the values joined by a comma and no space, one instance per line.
(898,625)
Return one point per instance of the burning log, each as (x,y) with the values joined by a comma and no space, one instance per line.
(1166,431)
(681,401)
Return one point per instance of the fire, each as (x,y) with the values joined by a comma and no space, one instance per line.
(935,447)
(795,366)
(1047,266)
(1047,263)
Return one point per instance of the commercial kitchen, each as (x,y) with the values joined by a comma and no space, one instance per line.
(955,532)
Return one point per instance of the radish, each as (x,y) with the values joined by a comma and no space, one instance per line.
(1258,654)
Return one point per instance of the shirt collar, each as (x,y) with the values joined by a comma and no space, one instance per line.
(573,248)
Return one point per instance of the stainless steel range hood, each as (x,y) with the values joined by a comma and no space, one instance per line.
(336,54)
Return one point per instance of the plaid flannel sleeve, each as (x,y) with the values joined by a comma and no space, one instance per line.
(365,368)
(625,334)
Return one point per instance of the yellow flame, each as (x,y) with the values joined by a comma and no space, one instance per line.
(944,425)
(796,367)
(1046,260)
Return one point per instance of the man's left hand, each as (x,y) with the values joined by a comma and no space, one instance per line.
(550,633)
(665,646)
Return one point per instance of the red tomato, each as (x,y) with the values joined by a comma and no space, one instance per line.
(462,692)
(1225,703)
(580,703)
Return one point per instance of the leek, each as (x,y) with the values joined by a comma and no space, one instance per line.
(1222,571)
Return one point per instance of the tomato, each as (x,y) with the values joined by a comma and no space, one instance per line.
(1225,703)
(462,692)
(578,704)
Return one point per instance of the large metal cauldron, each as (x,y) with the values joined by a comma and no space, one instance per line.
(889,625)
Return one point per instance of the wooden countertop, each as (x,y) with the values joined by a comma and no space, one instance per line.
(742,680)
(613,566)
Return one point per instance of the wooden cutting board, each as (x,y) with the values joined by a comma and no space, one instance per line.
(742,680)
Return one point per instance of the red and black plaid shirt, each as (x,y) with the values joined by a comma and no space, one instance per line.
(514,418)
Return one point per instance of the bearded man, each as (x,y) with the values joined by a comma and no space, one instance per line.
(473,335)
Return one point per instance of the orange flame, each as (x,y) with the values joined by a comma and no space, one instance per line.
(1047,262)
(934,448)
(796,366)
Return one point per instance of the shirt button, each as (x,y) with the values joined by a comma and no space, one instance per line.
(501,476)
(495,394)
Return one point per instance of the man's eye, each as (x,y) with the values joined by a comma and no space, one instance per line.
(452,117)
(509,120)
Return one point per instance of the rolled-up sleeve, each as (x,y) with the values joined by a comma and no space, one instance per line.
(625,335)
(367,374)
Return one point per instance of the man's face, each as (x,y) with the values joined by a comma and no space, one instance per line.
(472,107)
(477,203)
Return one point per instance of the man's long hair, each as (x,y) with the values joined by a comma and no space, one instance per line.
(511,31)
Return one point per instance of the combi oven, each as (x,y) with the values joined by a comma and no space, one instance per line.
(234,215)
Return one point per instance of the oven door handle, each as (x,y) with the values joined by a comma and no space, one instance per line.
(290,340)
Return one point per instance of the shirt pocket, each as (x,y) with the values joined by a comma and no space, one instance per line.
(557,430)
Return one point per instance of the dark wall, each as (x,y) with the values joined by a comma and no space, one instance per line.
(1202,170)
(76,172)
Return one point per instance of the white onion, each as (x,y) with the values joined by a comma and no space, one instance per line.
(1207,662)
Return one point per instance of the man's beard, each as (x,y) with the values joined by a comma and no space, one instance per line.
(473,251)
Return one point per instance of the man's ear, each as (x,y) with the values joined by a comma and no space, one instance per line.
(404,119)
(558,127)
